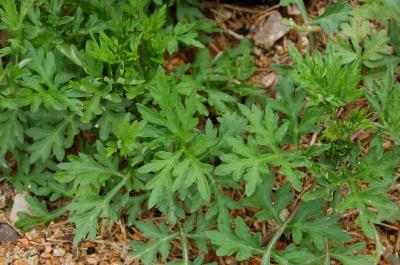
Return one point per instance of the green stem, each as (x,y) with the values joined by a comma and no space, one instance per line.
(185,252)
(115,190)
(209,151)
(295,136)
(307,28)
(327,255)
(266,259)
(196,236)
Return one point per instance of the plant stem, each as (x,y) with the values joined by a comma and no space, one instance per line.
(185,252)
(309,29)
(266,259)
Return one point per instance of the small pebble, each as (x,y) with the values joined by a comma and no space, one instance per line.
(48,249)
(45,255)
(91,261)
(25,243)
(69,260)
(269,80)
(58,252)
(30,253)
(34,260)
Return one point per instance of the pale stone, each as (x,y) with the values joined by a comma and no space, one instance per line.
(272,30)
(58,252)
(20,205)
(269,79)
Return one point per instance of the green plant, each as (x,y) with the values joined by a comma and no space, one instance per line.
(343,129)
(328,81)
(358,39)
(90,114)
(384,98)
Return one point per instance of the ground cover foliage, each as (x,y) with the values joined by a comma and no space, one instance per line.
(89,116)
